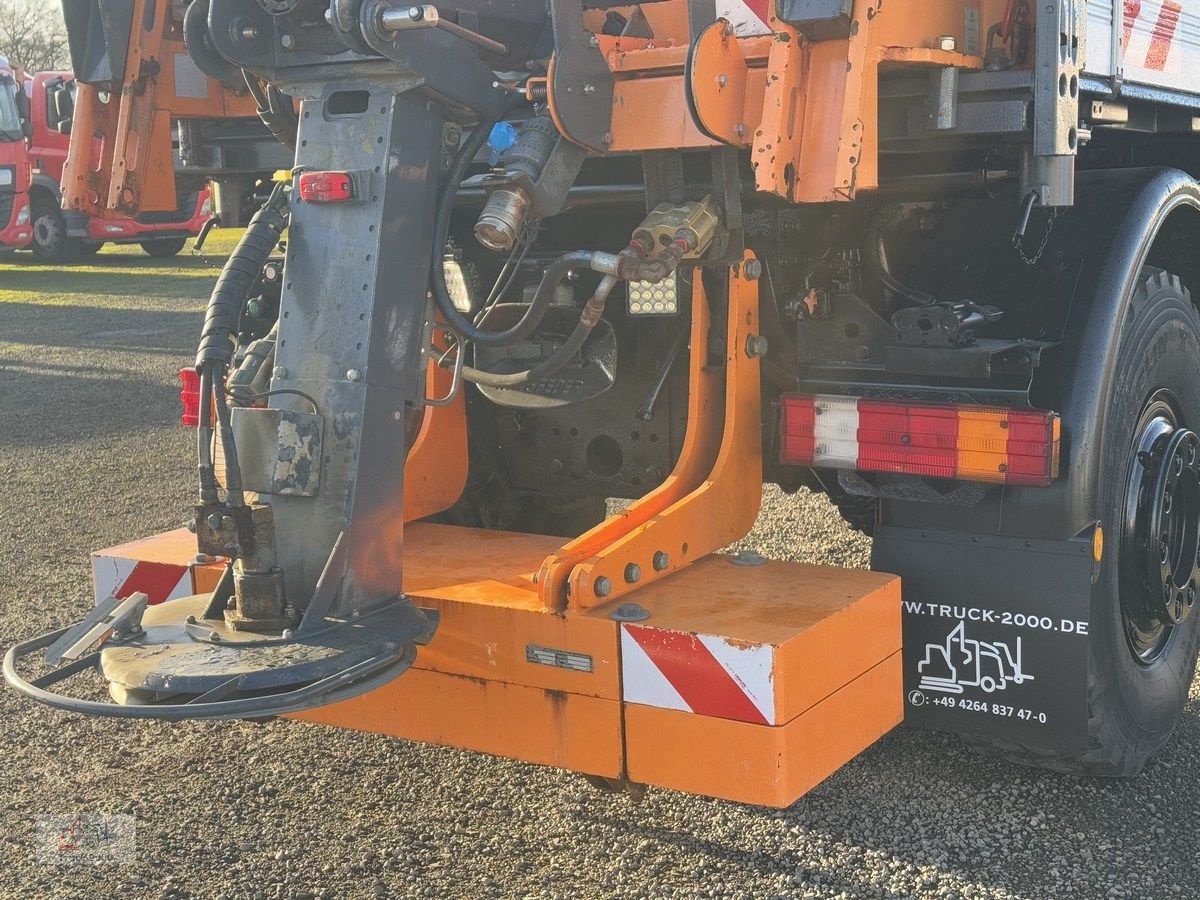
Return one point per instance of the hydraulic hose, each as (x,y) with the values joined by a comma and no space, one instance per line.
(238,278)
(873,257)
(557,270)
(275,110)
(215,354)
(572,345)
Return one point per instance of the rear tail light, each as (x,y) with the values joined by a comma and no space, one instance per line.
(189,396)
(326,187)
(972,443)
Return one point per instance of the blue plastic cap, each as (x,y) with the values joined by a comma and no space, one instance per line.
(502,137)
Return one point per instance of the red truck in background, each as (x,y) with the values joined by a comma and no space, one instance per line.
(15,229)
(60,234)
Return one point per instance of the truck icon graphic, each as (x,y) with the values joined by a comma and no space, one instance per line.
(960,663)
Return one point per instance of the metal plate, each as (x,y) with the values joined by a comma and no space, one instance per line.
(997,645)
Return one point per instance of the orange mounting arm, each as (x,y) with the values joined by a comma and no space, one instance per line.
(712,496)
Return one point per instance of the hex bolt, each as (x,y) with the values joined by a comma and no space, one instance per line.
(227,522)
(661,561)
(280,372)
(739,129)
(416,13)
(593,41)
(589,89)
(288,42)
(753,270)
(354,375)
(249,33)
(722,81)
(603,586)
(756,346)
(607,138)
(214,522)
(947,42)
(633,573)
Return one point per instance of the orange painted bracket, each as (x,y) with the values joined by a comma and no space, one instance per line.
(718,511)
(700,445)
(726,96)
(435,473)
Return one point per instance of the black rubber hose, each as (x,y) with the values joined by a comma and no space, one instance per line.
(233,472)
(872,237)
(238,278)
(459,323)
(275,111)
(572,345)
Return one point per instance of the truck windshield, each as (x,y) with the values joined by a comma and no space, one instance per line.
(10,121)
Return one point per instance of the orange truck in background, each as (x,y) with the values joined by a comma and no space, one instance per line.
(15,231)
(58,234)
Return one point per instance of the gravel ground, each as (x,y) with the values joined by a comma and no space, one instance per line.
(90,455)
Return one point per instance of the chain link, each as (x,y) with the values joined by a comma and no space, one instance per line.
(1018,244)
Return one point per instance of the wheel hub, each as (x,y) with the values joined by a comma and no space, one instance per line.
(1171,517)
(1160,540)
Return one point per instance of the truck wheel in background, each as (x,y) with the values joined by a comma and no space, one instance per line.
(163,249)
(1145,621)
(51,242)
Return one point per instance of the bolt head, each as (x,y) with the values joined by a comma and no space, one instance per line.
(416,13)
(947,42)
(633,573)
(661,561)
(354,375)
(287,41)
(589,89)
(214,522)
(756,346)
(280,372)
(722,81)
(603,587)
(753,270)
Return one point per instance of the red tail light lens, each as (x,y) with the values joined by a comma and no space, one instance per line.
(972,443)
(326,187)
(189,396)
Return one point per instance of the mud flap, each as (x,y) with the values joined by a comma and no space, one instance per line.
(995,633)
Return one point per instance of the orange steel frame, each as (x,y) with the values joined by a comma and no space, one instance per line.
(122,162)
(807,111)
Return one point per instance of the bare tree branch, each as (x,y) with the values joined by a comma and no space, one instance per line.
(32,35)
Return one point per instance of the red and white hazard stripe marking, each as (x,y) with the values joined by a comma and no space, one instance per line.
(746,16)
(1150,45)
(698,673)
(115,577)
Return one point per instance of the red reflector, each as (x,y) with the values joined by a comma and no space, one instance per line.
(189,396)
(970,443)
(326,187)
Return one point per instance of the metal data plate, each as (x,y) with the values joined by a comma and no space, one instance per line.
(279,450)
(999,649)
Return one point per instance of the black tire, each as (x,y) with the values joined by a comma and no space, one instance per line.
(51,242)
(90,249)
(1137,680)
(164,249)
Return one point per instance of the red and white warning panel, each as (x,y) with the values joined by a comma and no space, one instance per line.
(698,673)
(163,568)
(746,16)
(756,682)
